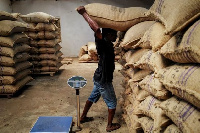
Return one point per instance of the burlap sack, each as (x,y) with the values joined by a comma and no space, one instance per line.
(172,129)
(155,37)
(186,49)
(35,57)
(32,35)
(147,124)
(46,35)
(51,69)
(15,15)
(133,118)
(45,27)
(135,33)
(51,56)
(14,39)
(9,71)
(35,63)
(120,19)
(48,43)
(37,17)
(10,62)
(184,115)
(123,71)
(91,48)
(135,56)
(10,52)
(155,87)
(31,27)
(182,81)
(21,57)
(34,50)
(10,89)
(8,80)
(6,16)
(174,14)
(130,126)
(8,27)
(142,95)
(6,61)
(85,57)
(127,56)
(139,75)
(134,87)
(148,107)
(33,43)
(131,72)
(124,82)
(44,50)
(95,57)
(121,61)
(152,61)
(50,63)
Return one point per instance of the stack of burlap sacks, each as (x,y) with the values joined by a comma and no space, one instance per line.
(14,54)
(88,53)
(160,59)
(45,38)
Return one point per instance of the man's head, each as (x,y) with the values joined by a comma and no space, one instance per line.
(109,34)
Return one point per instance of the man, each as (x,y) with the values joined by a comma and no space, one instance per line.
(103,77)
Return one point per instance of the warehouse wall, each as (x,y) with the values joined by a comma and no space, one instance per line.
(5,6)
(75,31)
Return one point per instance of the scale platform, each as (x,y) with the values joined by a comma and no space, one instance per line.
(52,124)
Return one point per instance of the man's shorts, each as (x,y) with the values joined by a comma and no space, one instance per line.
(106,91)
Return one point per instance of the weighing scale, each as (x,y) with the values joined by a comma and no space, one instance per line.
(61,124)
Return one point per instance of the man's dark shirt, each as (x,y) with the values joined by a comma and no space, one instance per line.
(106,65)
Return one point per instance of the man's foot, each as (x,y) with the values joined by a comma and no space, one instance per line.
(113,127)
(86,119)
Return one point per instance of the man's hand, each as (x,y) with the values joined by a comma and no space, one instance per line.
(81,10)
(93,25)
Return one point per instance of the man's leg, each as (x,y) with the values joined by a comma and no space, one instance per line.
(84,117)
(112,126)
(94,97)
(110,99)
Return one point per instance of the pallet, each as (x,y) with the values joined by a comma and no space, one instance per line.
(45,73)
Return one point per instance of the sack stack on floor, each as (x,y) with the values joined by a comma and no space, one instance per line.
(88,53)
(165,97)
(45,38)
(14,54)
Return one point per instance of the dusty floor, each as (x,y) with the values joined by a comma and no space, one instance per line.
(51,96)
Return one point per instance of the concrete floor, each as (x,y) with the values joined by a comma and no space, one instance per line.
(51,96)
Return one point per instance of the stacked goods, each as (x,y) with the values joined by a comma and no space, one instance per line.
(45,38)
(143,91)
(88,53)
(13,54)
(167,39)
(117,49)
(174,14)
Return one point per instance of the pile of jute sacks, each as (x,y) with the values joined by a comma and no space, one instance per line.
(14,54)
(88,53)
(45,36)
(160,57)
